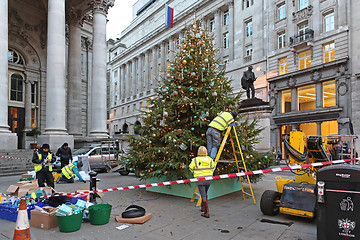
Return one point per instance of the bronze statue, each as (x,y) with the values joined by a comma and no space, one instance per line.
(247,82)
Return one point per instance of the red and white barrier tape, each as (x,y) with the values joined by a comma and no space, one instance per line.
(279,169)
(15,158)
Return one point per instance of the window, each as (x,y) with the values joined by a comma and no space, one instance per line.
(33,118)
(303,29)
(281,14)
(286,101)
(123,110)
(283,66)
(15,57)
(329,52)
(116,87)
(304,59)
(226,40)
(329,127)
(33,93)
(281,40)
(307,97)
(303,4)
(115,112)
(134,108)
(249,50)
(212,25)
(226,18)
(128,109)
(329,22)
(248,28)
(16,89)
(310,129)
(141,105)
(247,3)
(329,93)
(116,74)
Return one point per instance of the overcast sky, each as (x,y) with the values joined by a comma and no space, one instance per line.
(119,18)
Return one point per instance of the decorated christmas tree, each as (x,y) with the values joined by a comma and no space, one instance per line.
(194,91)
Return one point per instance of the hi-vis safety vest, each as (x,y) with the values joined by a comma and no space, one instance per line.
(39,166)
(202,166)
(222,121)
(67,171)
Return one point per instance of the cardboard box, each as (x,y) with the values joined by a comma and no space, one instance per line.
(25,175)
(140,220)
(43,220)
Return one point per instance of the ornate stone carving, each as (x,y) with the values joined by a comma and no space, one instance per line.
(316,76)
(291,82)
(302,14)
(272,101)
(101,6)
(21,28)
(272,86)
(230,3)
(75,16)
(342,70)
(342,88)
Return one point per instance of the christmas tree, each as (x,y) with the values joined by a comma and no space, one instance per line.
(194,91)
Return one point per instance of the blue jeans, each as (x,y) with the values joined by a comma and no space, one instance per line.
(213,138)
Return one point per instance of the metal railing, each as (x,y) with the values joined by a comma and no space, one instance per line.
(300,38)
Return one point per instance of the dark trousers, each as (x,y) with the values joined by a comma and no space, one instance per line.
(64,162)
(45,176)
(203,188)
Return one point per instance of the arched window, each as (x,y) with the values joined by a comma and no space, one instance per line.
(125,128)
(137,127)
(15,57)
(16,88)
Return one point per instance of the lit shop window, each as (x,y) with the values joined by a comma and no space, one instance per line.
(304,59)
(286,101)
(283,66)
(329,52)
(329,127)
(329,93)
(307,97)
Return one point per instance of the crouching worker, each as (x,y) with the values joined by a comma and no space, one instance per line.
(69,171)
(203,166)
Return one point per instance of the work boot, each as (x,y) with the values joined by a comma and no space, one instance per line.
(203,206)
(206,213)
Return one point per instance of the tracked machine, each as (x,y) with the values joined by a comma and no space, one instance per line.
(297,196)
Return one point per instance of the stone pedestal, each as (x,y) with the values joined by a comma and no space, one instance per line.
(8,140)
(55,141)
(256,108)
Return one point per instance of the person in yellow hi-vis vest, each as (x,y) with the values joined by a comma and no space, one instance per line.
(216,126)
(43,160)
(69,171)
(203,166)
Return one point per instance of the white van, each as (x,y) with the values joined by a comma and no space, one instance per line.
(97,157)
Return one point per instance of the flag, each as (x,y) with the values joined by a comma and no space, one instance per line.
(169,16)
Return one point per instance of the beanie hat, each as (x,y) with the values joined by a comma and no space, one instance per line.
(234,114)
(45,145)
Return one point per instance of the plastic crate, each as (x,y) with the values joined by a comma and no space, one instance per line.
(9,212)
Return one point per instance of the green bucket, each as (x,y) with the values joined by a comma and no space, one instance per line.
(70,223)
(100,214)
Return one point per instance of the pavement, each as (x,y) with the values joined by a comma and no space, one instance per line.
(231,216)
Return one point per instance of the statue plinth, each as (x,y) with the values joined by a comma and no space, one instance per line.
(253,102)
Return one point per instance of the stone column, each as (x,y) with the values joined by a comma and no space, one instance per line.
(146,71)
(122,81)
(154,67)
(27,105)
(55,74)
(163,59)
(318,128)
(74,110)
(128,82)
(133,77)
(98,88)
(8,140)
(141,66)
(231,30)
(172,49)
(217,14)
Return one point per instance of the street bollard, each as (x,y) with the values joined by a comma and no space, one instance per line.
(93,187)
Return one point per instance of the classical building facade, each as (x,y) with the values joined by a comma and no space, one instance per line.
(49,50)
(304,55)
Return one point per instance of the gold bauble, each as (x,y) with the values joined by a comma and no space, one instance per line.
(203,134)
(203,80)
(184,62)
(154,135)
(184,46)
(228,84)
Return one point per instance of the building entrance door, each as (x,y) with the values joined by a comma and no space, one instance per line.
(17,123)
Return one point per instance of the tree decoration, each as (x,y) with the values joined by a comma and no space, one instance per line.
(175,124)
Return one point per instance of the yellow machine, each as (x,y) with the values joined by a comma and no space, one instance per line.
(297,197)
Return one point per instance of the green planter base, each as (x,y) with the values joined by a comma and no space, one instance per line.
(218,187)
